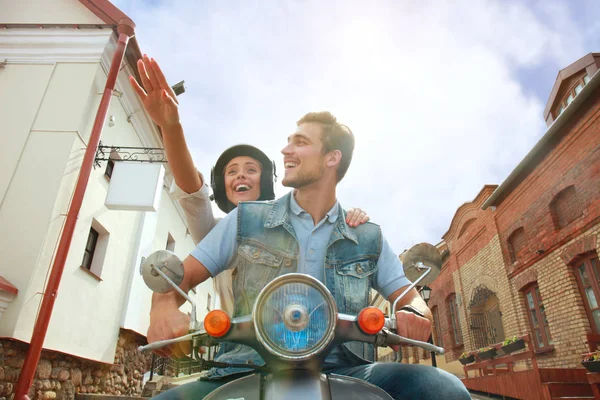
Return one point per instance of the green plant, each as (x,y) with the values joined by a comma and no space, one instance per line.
(595,356)
(510,340)
(484,349)
(465,355)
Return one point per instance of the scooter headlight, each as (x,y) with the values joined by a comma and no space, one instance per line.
(294,316)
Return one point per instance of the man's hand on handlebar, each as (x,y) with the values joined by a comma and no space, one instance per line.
(412,326)
(169,324)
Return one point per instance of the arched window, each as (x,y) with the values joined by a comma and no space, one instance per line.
(516,243)
(587,271)
(454,320)
(536,314)
(437,327)
(565,208)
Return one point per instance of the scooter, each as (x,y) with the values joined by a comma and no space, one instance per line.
(294,325)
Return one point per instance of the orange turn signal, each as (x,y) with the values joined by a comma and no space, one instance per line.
(217,323)
(371,320)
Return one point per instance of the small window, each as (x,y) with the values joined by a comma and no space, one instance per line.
(516,244)
(587,272)
(170,243)
(209,302)
(578,89)
(537,318)
(560,110)
(439,341)
(454,320)
(95,249)
(90,248)
(110,165)
(564,208)
(570,99)
(586,80)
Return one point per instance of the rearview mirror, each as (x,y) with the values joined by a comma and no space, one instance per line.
(417,258)
(166,262)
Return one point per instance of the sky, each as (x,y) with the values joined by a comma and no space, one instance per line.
(443,96)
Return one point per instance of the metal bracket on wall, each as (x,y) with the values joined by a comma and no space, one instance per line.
(133,154)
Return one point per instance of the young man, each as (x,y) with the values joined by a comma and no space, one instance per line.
(241,164)
(305,231)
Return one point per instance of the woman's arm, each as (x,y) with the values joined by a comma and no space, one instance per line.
(161,104)
(197,208)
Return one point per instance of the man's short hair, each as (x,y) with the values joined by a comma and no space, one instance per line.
(335,136)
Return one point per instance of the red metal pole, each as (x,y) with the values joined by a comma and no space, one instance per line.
(41,324)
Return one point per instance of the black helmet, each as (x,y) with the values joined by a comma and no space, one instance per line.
(217,180)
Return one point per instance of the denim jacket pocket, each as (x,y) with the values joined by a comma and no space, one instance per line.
(353,283)
(256,267)
(258,255)
(357,269)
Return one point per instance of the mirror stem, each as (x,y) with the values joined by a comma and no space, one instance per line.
(193,321)
(418,266)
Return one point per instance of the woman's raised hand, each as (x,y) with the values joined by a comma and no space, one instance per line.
(157,96)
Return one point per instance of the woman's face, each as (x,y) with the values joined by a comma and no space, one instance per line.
(242,179)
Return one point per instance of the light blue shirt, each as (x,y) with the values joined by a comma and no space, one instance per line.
(219,248)
(312,239)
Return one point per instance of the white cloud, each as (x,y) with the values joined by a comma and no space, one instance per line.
(429,89)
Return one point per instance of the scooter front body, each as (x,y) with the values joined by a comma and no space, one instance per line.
(298,385)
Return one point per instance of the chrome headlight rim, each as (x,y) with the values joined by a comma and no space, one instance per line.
(274,285)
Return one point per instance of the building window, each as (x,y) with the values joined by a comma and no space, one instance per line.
(454,320)
(437,327)
(564,208)
(209,302)
(95,249)
(516,244)
(170,243)
(571,94)
(588,276)
(90,248)
(569,99)
(537,318)
(110,165)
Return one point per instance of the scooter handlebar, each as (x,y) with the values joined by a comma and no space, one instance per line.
(390,338)
(390,329)
(163,343)
(241,330)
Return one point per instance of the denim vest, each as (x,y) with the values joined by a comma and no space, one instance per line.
(268,248)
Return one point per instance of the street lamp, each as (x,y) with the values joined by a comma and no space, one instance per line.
(425,293)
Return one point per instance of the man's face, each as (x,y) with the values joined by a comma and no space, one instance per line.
(303,157)
(242,179)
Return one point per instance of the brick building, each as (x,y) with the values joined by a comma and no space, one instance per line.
(523,256)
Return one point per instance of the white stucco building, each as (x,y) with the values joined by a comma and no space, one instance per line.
(54,59)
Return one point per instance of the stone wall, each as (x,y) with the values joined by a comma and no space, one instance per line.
(61,376)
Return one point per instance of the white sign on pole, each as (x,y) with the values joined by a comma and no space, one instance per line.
(135,186)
